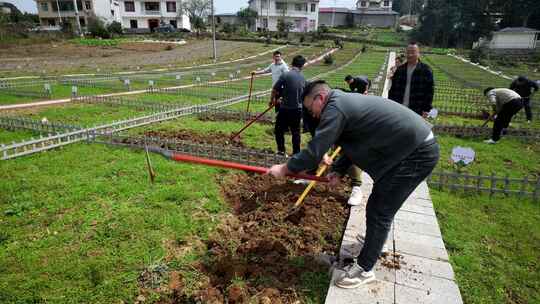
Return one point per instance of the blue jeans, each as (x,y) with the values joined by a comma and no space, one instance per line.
(388,195)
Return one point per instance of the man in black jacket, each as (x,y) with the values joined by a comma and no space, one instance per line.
(359,84)
(412,84)
(389,142)
(525,88)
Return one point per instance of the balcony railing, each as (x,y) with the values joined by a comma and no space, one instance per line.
(152,12)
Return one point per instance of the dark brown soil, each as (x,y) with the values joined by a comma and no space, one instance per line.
(262,247)
(226,116)
(216,138)
(392,260)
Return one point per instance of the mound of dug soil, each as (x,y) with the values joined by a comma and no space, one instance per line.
(260,254)
(215,138)
(218,138)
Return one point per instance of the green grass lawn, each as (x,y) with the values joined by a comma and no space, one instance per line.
(83,231)
(493,246)
(81,114)
(509,157)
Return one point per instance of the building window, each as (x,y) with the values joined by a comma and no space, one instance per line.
(171,7)
(264,3)
(82,21)
(363,3)
(300,7)
(151,6)
(65,6)
(281,6)
(133,24)
(51,22)
(129,6)
(313,7)
(174,23)
(44,6)
(88,5)
(386,3)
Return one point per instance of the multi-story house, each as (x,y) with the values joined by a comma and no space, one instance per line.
(55,12)
(146,15)
(377,13)
(134,15)
(302,14)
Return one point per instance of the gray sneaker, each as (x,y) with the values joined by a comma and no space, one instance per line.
(354,277)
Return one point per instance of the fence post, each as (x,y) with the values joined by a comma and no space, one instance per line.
(493,184)
(536,193)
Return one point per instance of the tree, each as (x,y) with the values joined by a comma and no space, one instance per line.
(196,9)
(456,23)
(198,24)
(518,12)
(247,17)
(284,27)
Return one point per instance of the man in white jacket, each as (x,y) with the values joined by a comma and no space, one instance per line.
(277,68)
(506,104)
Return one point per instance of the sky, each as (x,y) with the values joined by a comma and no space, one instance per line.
(222,6)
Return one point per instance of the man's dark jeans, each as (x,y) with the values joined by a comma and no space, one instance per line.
(527,106)
(388,195)
(288,119)
(504,117)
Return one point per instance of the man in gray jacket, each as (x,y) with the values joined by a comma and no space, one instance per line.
(395,146)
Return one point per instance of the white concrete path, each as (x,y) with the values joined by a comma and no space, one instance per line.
(425,275)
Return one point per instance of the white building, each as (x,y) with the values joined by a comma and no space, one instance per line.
(377,13)
(144,16)
(515,38)
(303,15)
(134,15)
(54,12)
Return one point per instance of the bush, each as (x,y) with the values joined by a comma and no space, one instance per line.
(329,59)
(229,28)
(115,28)
(324,29)
(97,28)
(478,55)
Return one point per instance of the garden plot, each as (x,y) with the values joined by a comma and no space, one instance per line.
(104,84)
(84,115)
(465,72)
(458,103)
(73,57)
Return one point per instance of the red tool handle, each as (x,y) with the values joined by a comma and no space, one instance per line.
(251,122)
(231,165)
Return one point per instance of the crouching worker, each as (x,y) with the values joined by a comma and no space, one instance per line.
(359,84)
(395,146)
(506,103)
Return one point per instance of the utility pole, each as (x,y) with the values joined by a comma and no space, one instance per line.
(214,32)
(77,18)
(59,15)
(334,13)
(410,12)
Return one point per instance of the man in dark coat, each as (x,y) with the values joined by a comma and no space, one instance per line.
(412,84)
(525,88)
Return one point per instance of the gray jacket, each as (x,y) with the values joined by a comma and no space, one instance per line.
(375,134)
